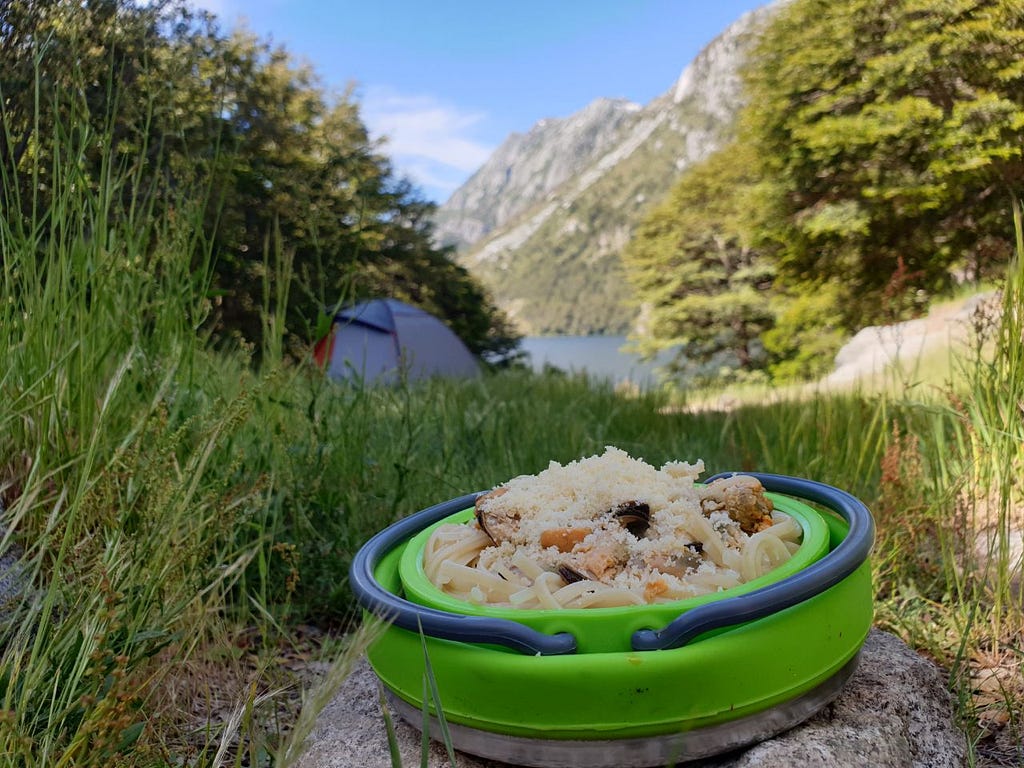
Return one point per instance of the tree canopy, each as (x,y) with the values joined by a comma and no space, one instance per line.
(704,288)
(889,135)
(298,205)
(874,168)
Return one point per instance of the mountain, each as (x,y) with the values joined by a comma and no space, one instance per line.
(528,167)
(542,223)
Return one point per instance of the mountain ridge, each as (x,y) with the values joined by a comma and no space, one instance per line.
(551,259)
(519,172)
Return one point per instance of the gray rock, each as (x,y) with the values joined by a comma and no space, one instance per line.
(529,166)
(895,712)
(14,579)
(875,348)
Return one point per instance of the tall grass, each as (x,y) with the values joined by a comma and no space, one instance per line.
(980,470)
(104,466)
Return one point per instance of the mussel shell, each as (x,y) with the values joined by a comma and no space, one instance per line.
(634,515)
(481,515)
(571,575)
(480,521)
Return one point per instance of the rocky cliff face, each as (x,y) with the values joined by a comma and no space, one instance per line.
(544,221)
(527,167)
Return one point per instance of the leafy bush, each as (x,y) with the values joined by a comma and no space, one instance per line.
(807,334)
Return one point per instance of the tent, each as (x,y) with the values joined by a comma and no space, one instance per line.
(379,339)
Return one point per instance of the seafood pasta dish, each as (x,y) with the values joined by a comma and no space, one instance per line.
(610,530)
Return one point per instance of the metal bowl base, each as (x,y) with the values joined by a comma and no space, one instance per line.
(645,752)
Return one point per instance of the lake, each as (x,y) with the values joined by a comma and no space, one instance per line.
(599,356)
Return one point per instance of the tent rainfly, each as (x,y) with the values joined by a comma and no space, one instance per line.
(376,341)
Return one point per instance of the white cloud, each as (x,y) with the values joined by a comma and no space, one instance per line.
(428,140)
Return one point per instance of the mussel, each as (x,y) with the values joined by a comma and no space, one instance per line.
(496,525)
(679,564)
(742,498)
(635,516)
(571,575)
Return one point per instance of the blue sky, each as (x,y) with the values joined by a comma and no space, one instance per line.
(446,81)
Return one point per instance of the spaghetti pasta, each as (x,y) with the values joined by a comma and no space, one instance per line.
(610,530)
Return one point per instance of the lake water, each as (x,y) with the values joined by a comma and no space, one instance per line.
(599,356)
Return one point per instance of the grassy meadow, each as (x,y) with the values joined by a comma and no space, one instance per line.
(185,518)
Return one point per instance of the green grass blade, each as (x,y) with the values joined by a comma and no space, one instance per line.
(425,728)
(435,697)
(389,726)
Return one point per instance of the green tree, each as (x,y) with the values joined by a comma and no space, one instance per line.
(702,289)
(302,209)
(888,136)
(308,211)
(66,64)
(808,332)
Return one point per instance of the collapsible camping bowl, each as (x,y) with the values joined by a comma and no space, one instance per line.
(633,686)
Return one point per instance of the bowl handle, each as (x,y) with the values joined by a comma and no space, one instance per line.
(813,580)
(429,621)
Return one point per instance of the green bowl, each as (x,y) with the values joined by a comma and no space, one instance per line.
(601,630)
(714,679)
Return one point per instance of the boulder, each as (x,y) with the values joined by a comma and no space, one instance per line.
(14,578)
(14,582)
(895,712)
